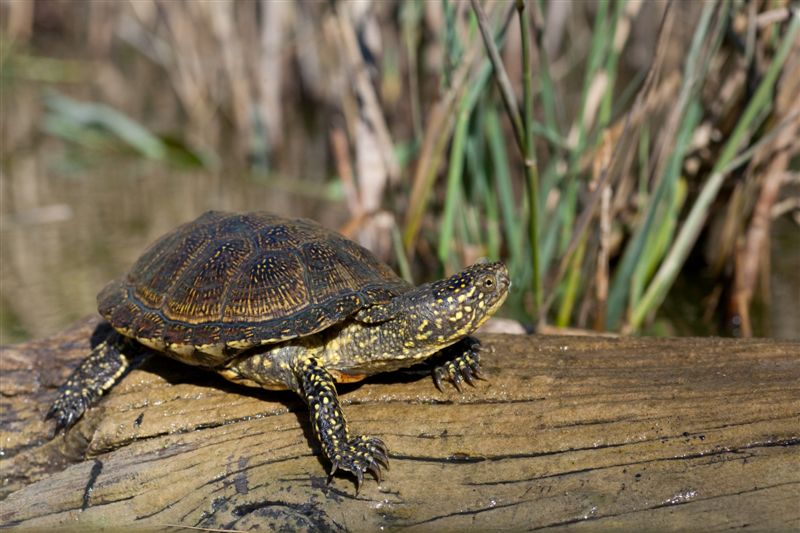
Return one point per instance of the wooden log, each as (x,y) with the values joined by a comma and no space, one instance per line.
(574,432)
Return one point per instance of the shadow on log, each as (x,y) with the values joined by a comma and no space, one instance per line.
(574,432)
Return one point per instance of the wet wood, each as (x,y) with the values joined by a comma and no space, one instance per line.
(569,432)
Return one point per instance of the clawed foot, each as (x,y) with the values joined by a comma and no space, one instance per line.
(68,407)
(464,367)
(95,375)
(361,454)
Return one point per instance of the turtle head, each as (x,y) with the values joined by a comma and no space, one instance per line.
(449,309)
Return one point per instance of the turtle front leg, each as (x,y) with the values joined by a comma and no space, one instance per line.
(463,363)
(95,375)
(357,454)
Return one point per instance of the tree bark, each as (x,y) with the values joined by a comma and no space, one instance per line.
(628,433)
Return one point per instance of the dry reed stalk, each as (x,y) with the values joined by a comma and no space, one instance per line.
(101,27)
(602,273)
(222,18)
(667,136)
(555,27)
(370,111)
(654,101)
(756,244)
(438,128)
(205,51)
(270,69)
(624,128)
(340,148)
(773,16)
(17,20)
(376,166)
(183,64)
(791,204)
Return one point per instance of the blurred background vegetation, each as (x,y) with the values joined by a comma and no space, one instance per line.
(634,163)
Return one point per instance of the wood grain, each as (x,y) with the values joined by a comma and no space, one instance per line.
(567,433)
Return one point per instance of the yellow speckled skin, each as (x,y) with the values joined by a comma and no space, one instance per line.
(426,320)
(285,304)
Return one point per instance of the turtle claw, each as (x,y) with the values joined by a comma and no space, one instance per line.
(67,409)
(375,470)
(467,374)
(380,457)
(362,454)
(437,378)
(464,367)
(456,379)
(359,480)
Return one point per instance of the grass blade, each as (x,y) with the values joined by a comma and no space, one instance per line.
(694,221)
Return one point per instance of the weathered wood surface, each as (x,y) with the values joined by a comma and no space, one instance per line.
(568,433)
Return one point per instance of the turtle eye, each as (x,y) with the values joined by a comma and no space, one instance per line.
(487,283)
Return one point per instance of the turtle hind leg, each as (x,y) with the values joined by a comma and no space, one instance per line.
(358,454)
(102,369)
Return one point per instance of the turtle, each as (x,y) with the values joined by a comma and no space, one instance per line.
(282,303)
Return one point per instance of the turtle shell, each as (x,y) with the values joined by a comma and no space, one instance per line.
(240,280)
